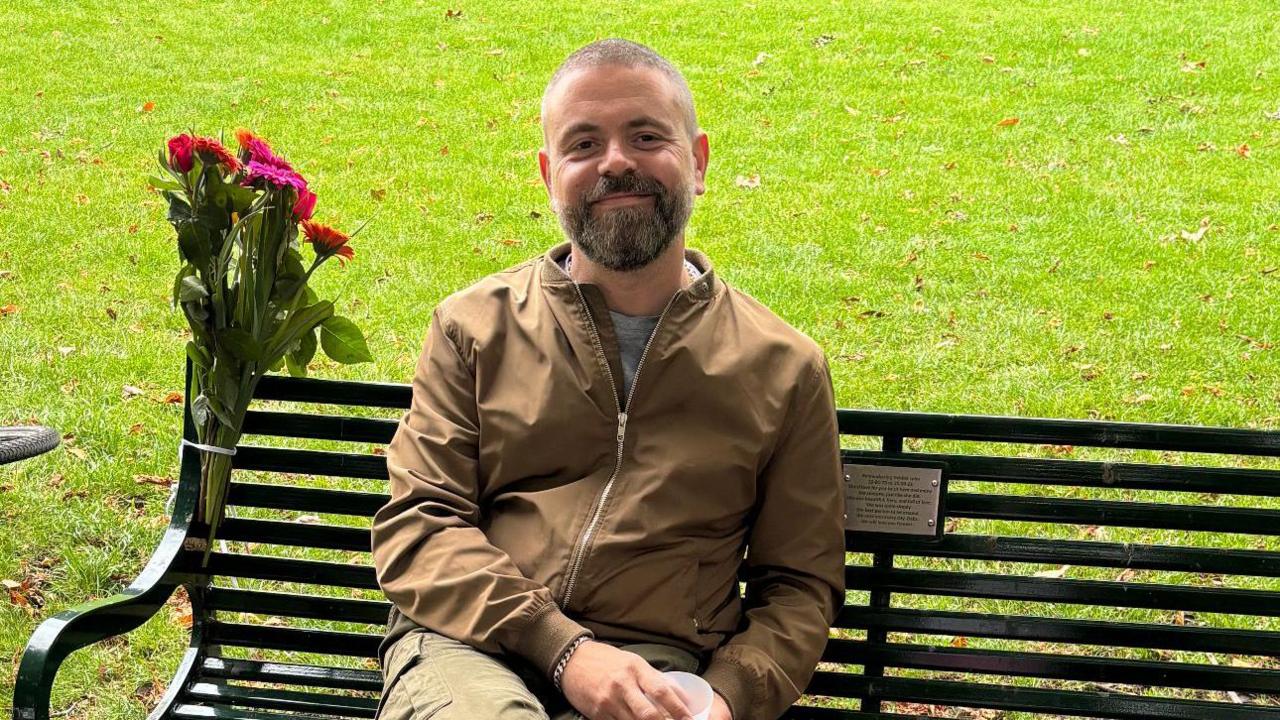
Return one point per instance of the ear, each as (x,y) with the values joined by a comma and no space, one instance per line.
(544,167)
(701,153)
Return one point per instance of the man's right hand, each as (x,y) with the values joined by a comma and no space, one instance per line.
(605,683)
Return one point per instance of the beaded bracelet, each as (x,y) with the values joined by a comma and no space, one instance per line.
(564,660)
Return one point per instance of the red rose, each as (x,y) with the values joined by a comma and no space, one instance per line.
(180,149)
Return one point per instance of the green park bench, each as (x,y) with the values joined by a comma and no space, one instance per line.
(1062,587)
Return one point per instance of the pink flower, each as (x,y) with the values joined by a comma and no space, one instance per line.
(180,149)
(278,175)
(263,164)
(305,205)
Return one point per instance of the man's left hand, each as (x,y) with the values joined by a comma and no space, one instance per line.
(719,708)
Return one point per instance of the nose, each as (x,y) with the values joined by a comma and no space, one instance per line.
(617,159)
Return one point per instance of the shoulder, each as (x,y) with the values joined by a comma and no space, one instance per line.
(478,304)
(764,333)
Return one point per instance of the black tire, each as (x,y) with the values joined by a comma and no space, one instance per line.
(20,443)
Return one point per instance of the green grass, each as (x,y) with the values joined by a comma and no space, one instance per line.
(944,262)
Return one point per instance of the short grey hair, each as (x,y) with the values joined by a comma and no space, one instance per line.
(625,53)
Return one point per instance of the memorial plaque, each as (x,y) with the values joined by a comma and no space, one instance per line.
(895,497)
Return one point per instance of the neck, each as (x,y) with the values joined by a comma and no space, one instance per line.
(644,291)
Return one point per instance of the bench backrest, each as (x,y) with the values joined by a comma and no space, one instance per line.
(1068,583)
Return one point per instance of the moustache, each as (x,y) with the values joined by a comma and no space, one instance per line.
(624,184)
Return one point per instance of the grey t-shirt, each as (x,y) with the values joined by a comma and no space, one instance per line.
(633,333)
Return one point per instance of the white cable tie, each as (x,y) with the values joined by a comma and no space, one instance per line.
(209,448)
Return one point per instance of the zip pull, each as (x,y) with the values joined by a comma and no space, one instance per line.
(622,426)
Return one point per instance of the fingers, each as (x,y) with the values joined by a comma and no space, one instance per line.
(664,695)
(642,708)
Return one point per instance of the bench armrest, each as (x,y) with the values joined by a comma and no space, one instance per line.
(81,626)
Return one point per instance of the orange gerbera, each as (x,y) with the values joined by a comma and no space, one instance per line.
(328,241)
(244,137)
(207,146)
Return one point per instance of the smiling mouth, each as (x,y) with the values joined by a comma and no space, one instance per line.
(623,196)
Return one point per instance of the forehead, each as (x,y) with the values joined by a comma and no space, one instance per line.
(610,96)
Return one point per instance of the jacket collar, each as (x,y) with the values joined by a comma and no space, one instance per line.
(705,287)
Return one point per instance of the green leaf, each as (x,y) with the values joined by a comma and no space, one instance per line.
(241,344)
(301,354)
(199,357)
(343,341)
(299,322)
(194,244)
(291,273)
(221,412)
(160,183)
(187,270)
(200,409)
(179,210)
(191,289)
(196,313)
(241,197)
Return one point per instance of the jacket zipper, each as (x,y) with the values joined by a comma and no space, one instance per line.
(578,556)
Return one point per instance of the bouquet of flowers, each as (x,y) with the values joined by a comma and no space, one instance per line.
(243,286)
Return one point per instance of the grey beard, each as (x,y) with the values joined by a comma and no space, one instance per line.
(628,238)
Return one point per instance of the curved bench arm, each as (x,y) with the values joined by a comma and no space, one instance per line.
(70,630)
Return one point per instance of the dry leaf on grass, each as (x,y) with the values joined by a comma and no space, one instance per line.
(1056,573)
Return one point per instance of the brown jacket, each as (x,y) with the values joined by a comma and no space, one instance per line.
(532,504)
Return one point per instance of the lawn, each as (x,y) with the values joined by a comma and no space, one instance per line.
(1059,209)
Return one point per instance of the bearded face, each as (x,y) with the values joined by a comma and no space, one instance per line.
(626,234)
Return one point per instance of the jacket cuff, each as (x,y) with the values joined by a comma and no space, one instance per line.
(733,683)
(547,636)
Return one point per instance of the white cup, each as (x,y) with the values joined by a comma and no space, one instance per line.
(694,691)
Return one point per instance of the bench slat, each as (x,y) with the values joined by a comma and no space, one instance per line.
(1035,700)
(808,712)
(295,534)
(1088,473)
(319,427)
(1054,666)
(1112,513)
(311,572)
(1082,632)
(1048,431)
(310,462)
(293,700)
(222,712)
(261,602)
(1086,553)
(334,392)
(267,637)
(313,500)
(1076,592)
(291,674)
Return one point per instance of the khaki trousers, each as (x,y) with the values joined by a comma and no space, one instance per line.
(431,677)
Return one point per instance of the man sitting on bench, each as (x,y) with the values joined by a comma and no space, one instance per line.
(596,437)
